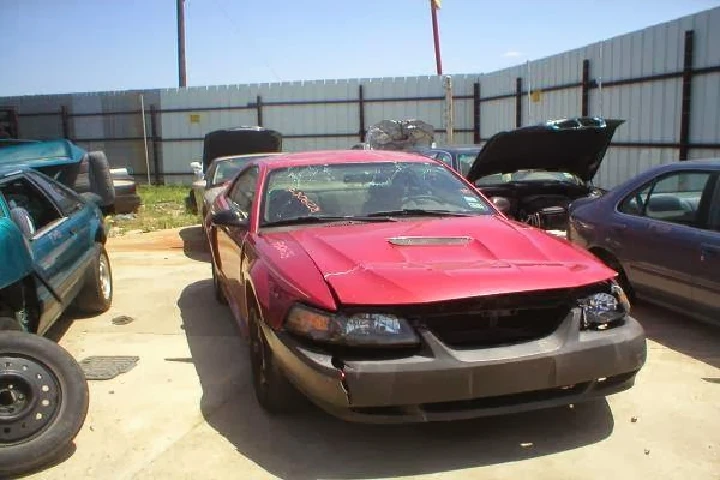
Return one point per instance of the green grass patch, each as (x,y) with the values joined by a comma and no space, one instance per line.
(163,207)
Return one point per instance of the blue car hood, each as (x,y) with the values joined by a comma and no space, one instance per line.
(44,153)
(15,260)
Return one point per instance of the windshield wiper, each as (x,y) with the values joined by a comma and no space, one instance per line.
(419,212)
(325,218)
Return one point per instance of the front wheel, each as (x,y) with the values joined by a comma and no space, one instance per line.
(273,390)
(43,401)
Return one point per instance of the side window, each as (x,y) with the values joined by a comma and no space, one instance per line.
(21,194)
(674,198)
(444,157)
(62,196)
(634,204)
(243,190)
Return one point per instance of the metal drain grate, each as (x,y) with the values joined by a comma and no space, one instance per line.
(106,367)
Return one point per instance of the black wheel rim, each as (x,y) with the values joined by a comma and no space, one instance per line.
(29,398)
(258,355)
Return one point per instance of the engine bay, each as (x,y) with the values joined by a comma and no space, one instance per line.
(540,204)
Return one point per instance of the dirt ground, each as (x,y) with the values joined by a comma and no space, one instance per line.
(187,410)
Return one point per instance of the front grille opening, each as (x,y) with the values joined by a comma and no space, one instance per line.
(494,328)
(505,400)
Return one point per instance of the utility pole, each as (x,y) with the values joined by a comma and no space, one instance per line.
(181,43)
(434,7)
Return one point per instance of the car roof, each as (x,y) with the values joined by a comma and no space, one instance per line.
(699,163)
(322,157)
(246,155)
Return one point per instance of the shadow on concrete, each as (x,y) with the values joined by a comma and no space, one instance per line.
(311,444)
(195,243)
(685,335)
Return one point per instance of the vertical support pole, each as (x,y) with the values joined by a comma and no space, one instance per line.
(476,113)
(518,102)
(155,144)
(182,74)
(434,5)
(686,95)
(259,107)
(361,113)
(65,122)
(14,123)
(585,87)
(449,114)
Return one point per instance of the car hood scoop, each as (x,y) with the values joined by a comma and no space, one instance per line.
(410,241)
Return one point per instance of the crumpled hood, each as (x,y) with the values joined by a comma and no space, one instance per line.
(432,260)
(574,146)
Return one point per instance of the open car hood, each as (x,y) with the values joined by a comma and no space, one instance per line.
(574,146)
(41,153)
(239,141)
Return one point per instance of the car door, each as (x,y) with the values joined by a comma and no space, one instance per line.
(657,236)
(46,244)
(706,291)
(79,248)
(231,239)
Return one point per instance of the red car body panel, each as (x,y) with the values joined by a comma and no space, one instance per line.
(363,268)
(327,266)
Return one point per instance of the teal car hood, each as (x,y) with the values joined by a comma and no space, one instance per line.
(44,153)
(15,260)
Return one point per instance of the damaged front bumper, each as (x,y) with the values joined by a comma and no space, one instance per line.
(443,383)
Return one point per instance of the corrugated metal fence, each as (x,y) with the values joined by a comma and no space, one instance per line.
(664,80)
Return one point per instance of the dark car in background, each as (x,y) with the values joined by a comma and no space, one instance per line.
(458,157)
(231,142)
(661,232)
(127,199)
(533,173)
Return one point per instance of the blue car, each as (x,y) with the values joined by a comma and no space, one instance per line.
(52,251)
(661,232)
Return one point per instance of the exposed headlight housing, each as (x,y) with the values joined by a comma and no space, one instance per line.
(604,310)
(356,330)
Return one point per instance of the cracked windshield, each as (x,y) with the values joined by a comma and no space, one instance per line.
(357,190)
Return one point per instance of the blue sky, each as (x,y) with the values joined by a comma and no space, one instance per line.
(59,46)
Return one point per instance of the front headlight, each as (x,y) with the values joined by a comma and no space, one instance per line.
(604,310)
(359,330)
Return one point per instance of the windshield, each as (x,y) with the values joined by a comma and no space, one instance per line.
(367,190)
(226,170)
(528,176)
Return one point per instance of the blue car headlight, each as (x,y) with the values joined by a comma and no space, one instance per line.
(357,330)
(604,310)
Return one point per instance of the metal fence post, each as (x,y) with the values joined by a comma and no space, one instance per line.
(476,112)
(518,102)
(65,122)
(686,95)
(259,106)
(155,144)
(361,113)
(585,87)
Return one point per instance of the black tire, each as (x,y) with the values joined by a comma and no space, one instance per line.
(62,385)
(101,179)
(273,390)
(219,294)
(93,297)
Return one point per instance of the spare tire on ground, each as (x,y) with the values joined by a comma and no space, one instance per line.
(43,402)
(101,180)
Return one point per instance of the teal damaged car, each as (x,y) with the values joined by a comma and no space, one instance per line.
(52,251)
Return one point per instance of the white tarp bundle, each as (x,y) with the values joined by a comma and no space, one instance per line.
(399,134)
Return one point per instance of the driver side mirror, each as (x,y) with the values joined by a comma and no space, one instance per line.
(227,218)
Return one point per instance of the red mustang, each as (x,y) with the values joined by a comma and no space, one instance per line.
(386,288)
